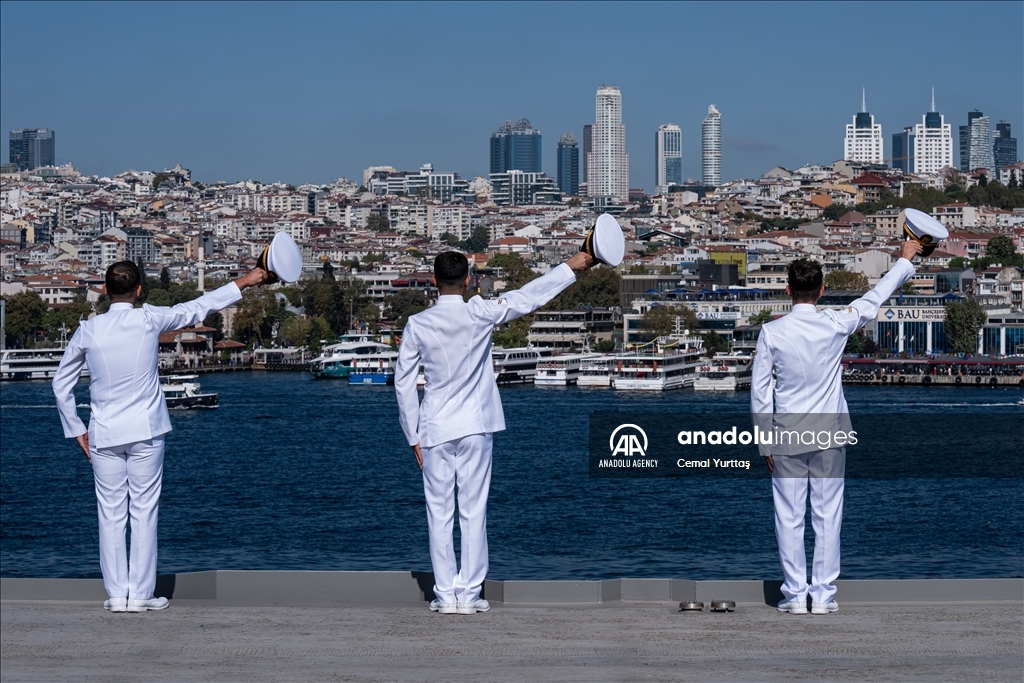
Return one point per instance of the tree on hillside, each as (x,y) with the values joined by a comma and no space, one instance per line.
(598,287)
(404,303)
(253,320)
(964,319)
(761,317)
(1000,249)
(660,321)
(25,312)
(378,223)
(165,278)
(714,342)
(478,240)
(841,280)
(517,273)
(834,212)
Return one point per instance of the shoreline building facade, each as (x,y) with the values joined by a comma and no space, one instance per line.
(31,148)
(926,147)
(711,147)
(976,143)
(864,142)
(608,161)
(568,165)
(516,147)
(668,155)
(1004,147)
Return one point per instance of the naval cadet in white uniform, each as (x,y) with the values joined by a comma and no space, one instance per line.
(450,431)
(803,351)
(125,438)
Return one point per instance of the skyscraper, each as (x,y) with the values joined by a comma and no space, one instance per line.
(926,147)
(31,148)
(568,165)
(668,155)
(1004,148)
(608,162)
(588,146)
(516,147)
(976,143)
(711,147)
(864,140)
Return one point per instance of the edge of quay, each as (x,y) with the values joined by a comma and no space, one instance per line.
(395,588)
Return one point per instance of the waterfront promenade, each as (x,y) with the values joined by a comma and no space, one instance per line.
(192,641)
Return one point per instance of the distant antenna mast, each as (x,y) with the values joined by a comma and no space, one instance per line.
(863,100)
(933,98)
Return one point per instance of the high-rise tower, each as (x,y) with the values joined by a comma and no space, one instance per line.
(1004,147)
(976,143)
(668,155)
(711,147)
(864,142)
(516,147)
(608,161)
(568,165)
(31,148)
(926,147)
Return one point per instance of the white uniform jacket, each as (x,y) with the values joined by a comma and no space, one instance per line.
(121,348)
(452,340)
(805,348)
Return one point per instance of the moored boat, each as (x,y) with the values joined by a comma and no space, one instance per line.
(183,391)
(375,368)
(666,364)
(518,365)
(25,364)
(724,372)
(560,371)
(335,360)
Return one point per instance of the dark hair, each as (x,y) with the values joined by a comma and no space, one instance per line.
(450,269)
(804,280)
(122,279)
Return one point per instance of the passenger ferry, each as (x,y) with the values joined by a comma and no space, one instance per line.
(671,363)
(375,368)
(560,371)
(517,366)
(183,391)
(22,364)
(335,361)
(725,372)
(595,372)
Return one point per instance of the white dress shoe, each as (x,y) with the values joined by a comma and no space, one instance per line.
(443,607)
(473,607)
(824,607)
(145,605)
(116,604)
(793,606)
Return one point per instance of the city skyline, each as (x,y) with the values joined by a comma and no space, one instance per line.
(367,108)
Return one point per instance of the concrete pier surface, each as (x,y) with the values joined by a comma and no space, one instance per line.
(197,640)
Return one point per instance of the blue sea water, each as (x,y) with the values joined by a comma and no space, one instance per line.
(294,473)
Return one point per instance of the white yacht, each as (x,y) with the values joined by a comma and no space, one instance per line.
(183,391)
(374,368)
(335,360)
(20,364)
(595,372)
(560,371)
(517,366)
(725,372)
(666,364)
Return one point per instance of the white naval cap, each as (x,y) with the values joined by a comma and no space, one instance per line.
(605,241)
(281,259)
(919,226)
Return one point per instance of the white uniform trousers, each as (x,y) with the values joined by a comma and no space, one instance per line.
(825,470)
(465,463)
(128,479)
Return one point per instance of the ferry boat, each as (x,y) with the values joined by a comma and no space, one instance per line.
(183,391)
(335,361)
(24,364)
(671,363)
(595,372)
(517,366)
(560,371)
(725,372)
(375,368)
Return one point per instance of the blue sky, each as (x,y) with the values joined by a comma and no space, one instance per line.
(309,92)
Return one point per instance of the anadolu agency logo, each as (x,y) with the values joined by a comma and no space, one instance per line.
(628,446)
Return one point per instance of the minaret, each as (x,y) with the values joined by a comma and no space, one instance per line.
(202,263)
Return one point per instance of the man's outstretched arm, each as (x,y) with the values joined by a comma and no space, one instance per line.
(866,308)
(536,293)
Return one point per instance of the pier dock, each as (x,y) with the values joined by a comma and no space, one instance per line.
(265,626)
